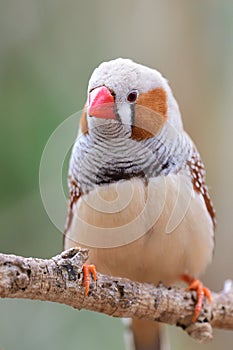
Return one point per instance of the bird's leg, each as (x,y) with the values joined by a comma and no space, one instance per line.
(88,271)
(195,284)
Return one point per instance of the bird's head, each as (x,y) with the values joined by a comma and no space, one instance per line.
(124,92)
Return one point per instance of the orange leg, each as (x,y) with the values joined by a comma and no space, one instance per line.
(88,271)
(195,284)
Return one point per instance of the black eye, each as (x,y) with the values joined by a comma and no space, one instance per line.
(132,96)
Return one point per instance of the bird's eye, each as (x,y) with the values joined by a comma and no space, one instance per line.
(132,96)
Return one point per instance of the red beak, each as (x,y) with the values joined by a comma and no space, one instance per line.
(101,103)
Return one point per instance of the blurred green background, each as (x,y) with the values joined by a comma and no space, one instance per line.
(48,50)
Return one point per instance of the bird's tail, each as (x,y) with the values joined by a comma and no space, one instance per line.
(145,335)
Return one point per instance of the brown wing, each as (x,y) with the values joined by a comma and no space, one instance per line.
(74,190)
(74,194)
(198,178)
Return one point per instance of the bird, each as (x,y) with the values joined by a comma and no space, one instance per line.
(138,197)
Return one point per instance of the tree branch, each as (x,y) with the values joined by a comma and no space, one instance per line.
(59,279)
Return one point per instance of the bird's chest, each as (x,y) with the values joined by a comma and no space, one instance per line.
(131,226)
(112,221)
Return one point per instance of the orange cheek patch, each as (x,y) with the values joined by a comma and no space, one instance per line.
(83,121)
(150,114)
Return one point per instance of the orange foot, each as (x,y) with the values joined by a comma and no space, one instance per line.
(88,271)
(202,291)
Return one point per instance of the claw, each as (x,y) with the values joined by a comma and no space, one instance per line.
(88,271)
(195,284)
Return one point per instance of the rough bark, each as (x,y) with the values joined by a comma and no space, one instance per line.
(60,280)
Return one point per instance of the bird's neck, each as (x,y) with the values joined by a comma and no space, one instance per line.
(110,155)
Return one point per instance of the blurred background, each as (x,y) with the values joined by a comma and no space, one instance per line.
(48,50)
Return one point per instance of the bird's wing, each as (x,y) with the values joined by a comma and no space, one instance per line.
(74,190)
(197,170)
(74,195)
